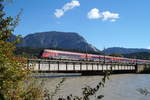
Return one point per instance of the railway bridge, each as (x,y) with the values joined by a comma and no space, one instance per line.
(85,67)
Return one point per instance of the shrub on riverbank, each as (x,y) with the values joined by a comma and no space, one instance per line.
(13,69)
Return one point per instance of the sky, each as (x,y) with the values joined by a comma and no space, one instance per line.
(103,23)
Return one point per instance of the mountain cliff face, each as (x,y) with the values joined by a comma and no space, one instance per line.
(124,50)
(54,39)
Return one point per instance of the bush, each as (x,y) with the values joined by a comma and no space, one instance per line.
(13,69)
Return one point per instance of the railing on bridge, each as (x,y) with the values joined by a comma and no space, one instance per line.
(77,66)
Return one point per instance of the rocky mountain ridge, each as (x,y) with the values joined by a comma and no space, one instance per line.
(121,50)
(55,39)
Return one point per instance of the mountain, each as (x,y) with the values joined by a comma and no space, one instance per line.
(124,50)
(139,55)
(54,39)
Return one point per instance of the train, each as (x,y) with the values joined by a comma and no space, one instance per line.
(67,55)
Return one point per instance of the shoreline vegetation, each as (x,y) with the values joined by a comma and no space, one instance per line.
(15,83)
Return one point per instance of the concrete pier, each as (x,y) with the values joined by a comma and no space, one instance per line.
(141,67)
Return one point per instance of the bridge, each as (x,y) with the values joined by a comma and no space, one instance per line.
(85,67)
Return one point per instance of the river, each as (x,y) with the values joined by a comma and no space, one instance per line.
(118,87)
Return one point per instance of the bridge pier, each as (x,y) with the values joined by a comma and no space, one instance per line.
(141,67)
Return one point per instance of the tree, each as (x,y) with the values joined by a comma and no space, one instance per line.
(116,55)
(13,69)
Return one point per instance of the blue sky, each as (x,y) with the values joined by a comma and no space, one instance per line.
(103,23)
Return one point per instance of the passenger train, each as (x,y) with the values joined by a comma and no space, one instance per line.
(67,55)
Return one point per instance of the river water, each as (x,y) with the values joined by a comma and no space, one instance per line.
(119,87)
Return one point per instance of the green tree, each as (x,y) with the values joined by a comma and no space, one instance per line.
(116,55)
(13,69)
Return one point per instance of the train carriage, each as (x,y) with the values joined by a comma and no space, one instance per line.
(58,54)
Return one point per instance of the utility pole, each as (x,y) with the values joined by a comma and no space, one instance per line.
(86,52)
(135,60)
(99,58)
(104,55)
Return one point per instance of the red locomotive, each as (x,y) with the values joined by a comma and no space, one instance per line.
(58,54)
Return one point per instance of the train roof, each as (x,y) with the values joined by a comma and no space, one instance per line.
(60,51)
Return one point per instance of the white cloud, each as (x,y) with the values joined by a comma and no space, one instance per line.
(58,13)
(68,6)
(71,5)
(94,14)
(148,47)
(113,20)
(106,15)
